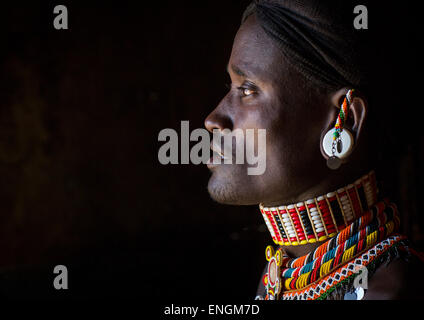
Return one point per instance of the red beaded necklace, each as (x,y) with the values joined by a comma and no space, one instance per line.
(320,218)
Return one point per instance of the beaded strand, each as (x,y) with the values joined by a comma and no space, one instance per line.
(371,228)
(341,118)
(267,218)
(380,214)
(338,275)
(306,222)
(346,204)
(297,224)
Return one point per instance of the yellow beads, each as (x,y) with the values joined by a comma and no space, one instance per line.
(302,280)
(322,238)
(348,254)
(269,253)
(287,283)
(325,268)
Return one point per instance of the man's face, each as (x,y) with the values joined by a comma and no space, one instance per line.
(266,93)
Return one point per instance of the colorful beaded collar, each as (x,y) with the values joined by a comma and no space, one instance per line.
(315,274)
(320,218)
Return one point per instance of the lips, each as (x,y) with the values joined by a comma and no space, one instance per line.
(216,150)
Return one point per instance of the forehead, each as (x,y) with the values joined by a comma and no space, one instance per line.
(255,53)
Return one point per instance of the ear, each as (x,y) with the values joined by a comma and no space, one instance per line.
(356,117)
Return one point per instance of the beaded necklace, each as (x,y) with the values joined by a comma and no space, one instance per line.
(351,241)
(320,218)
(353,222)
(345,273)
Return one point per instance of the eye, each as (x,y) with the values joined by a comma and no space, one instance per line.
(248,89)
(246,92)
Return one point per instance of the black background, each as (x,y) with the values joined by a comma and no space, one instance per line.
(80,182)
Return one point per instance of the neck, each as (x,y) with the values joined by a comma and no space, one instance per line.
(305,224)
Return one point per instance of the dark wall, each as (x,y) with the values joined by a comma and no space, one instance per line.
(80,182)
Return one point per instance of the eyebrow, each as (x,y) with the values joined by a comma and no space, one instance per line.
(236,70)
(256,74)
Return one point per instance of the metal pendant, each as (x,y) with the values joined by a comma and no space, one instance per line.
(334,162)
(342,147)
(339,146)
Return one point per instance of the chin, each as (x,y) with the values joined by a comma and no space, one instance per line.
(221,193)
(226,189)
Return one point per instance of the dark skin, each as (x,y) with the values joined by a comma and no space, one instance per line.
(267,93)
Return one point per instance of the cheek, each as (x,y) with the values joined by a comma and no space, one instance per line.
(292,143)
(292,134)
(256,113)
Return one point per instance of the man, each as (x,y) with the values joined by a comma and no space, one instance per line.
(292,66)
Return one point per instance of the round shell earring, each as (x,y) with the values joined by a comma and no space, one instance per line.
(338,142)
(338,149)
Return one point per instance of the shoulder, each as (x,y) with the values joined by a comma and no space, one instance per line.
(400,279)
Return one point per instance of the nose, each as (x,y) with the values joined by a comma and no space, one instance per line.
(219,119)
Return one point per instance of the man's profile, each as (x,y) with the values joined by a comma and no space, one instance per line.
(300,70)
